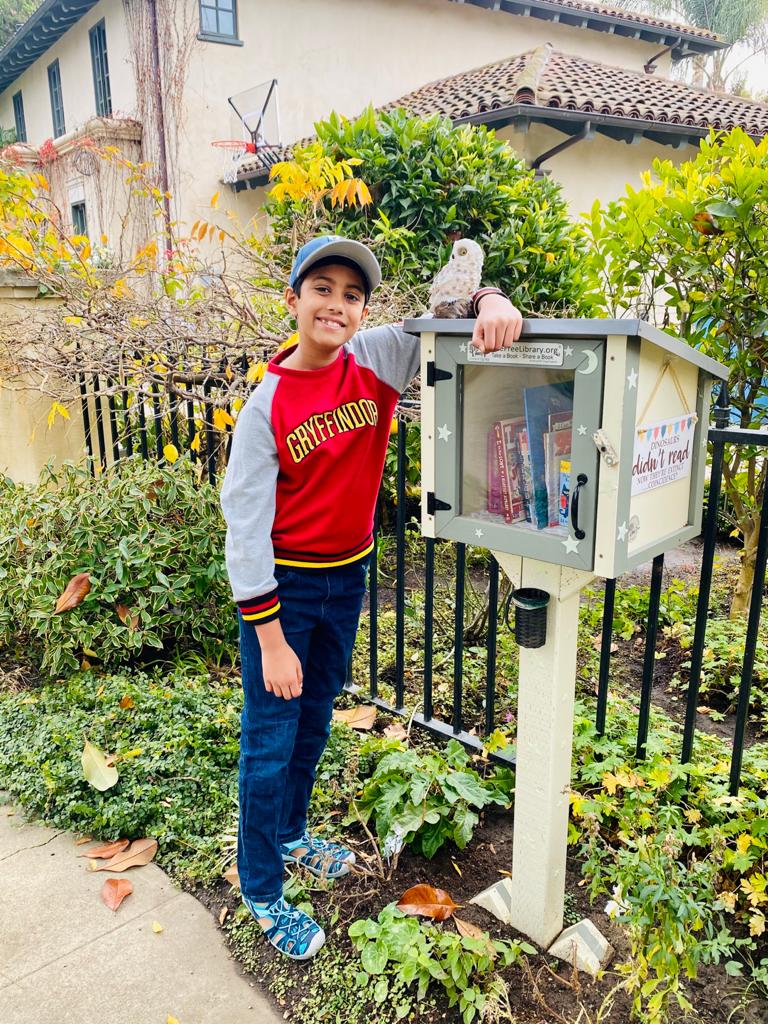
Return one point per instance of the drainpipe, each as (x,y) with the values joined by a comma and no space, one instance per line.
(585,133)
(162,157)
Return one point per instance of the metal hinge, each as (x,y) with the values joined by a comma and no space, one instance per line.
(434,375)
(435,505)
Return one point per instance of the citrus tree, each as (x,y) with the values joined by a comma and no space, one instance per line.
(688,250)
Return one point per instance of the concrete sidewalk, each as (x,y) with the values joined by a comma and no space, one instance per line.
(66,958)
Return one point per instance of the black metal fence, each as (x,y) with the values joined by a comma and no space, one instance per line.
(152,420)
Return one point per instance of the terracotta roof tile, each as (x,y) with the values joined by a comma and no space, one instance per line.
(615,13)
(546,78)
(541,81)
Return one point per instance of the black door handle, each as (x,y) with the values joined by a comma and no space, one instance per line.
(581,480)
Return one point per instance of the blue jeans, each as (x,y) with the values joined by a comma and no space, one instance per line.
(281,740)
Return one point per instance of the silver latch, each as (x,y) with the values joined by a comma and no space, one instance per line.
(606,449)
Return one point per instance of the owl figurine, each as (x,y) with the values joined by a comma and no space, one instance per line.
(455,283)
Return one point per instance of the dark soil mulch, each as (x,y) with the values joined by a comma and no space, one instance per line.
(549,992)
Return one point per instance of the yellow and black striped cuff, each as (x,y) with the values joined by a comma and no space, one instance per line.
(260,609)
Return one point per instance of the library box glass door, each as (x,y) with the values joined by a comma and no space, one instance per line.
(516,466)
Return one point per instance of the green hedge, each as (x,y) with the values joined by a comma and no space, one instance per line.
(151,540)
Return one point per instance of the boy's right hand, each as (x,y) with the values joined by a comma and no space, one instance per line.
(282,670)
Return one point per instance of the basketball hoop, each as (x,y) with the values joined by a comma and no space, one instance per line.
(241,144)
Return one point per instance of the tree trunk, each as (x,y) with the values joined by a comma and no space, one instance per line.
(741,597)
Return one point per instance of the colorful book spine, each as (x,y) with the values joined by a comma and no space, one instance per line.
(501,463)
(565,487)
(494,484)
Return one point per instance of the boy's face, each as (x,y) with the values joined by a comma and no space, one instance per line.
(330,307)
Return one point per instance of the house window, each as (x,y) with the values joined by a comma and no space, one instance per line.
(18,116)
(218,21)
(57,102)
(79,221)
(98,37)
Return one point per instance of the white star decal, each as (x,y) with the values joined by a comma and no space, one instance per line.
(462,347)
(444,433)
(582,430)
(622,532)
(632,379)
(568,350)
(571,545)
(478,533)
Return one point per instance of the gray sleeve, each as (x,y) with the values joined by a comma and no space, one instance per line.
(390,352)
(248,497)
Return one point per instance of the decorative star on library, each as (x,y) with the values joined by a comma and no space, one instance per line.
(568,350)
(632,378)
(622,531)
(478,533)
(571,545)
(582,430)
(444,433)
(462,347)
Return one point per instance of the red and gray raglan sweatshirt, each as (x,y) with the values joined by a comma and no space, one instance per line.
(306,462)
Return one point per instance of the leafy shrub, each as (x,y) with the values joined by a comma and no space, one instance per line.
(432,183)
(630,609)
(151,540)
(686,861)
(176,741)
(722,659)
(402,950)
(424,800)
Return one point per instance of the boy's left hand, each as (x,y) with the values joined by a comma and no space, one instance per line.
(498,324)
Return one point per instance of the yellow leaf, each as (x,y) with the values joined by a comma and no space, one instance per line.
(744,842)
(238,404)
(156,927)
(255,372)
(194,444)
(171,453)
(97,771)
(172,1020)
(57,407)
(222,419)
(757,923)
(610,782)
(215,199)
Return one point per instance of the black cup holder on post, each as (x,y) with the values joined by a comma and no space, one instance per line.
(530,616)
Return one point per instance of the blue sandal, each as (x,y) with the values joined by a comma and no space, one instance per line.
(320,857)
(290,930)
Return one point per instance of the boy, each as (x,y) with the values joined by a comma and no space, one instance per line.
(298,497)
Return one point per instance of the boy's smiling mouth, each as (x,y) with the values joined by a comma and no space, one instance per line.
(334,325)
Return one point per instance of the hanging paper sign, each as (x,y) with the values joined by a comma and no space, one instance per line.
(663,453)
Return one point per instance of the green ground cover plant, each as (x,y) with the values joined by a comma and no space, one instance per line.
(685,860)
(396,948)
(151,541)
(175,737)
(425,799)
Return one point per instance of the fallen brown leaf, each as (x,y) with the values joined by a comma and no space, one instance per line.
(223,914)
(232,876)
(127,702)
(396,731)
(85,839)
(426,901)
(107,850)
(77,588)
(140,852)
(361,717)
(471,931)
(126,616)
(114,891)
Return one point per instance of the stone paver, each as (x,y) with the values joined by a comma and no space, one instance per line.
(65,958)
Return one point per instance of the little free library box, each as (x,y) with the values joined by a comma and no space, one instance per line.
(582,445)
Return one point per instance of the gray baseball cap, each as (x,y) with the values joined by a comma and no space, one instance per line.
(334,245)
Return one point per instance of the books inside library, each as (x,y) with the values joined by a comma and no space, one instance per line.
(518,426)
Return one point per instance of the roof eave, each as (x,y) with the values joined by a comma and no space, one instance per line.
(26,48)
(626,129)
(630,129)
(684,43)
